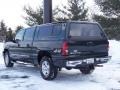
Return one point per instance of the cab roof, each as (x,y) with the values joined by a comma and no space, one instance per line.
(69,22)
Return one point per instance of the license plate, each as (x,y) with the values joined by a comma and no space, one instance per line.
(90,61)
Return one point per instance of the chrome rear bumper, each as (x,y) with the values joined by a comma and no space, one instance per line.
(88,61)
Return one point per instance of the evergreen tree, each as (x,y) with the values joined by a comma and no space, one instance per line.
(109,7)
(110,20)
(18,28)
(75,10)
(34,17)
(3,30)
(9,36)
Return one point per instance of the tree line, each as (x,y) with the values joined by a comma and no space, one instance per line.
(77,10)
(110,19)
(6,33)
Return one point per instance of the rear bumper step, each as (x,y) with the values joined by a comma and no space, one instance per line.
(94,61)
(99,65)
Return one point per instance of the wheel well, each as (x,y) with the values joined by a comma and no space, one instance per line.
(5,50)
(42,54)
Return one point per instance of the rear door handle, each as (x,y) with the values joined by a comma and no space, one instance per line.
(18,45)
(90,43)
(28,45)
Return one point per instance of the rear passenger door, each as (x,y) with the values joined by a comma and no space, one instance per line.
(26,47)
(41,40)
(42,37)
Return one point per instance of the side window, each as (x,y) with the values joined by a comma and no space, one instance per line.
(59,30)
(29,33)
(19,35)
(43,32)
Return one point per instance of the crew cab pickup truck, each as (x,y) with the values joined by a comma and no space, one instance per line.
(72,45)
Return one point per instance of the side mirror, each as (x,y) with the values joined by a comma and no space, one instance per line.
(17,40)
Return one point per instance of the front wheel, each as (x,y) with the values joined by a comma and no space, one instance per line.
(88,69)
(7,60)
(47,69)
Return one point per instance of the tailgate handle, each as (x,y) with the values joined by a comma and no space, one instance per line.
(90,43)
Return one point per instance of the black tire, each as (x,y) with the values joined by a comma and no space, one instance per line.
(7,60)
(48,71)
(87,70)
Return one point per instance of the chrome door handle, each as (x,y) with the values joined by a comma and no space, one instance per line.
(28,45)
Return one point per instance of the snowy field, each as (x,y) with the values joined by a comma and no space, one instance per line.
(27,77)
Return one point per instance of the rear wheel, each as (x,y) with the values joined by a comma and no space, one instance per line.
(88,69)
(7,60)
(47,69)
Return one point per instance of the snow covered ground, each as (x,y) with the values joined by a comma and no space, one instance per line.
(27,77)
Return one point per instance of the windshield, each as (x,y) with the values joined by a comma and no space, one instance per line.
(86,30)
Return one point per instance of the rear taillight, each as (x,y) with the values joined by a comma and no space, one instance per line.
(64,50)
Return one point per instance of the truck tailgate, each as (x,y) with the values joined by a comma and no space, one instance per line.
(88,48)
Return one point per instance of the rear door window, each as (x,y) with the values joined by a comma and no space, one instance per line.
(43,32)
(59,30)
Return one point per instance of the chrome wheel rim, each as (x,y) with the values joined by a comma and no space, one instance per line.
(45,68)
(6,59)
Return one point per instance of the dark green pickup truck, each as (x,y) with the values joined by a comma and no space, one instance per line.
(71,45)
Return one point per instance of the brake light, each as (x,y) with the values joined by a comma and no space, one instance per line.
(64,49)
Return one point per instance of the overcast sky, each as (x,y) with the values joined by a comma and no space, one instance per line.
(11,11)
